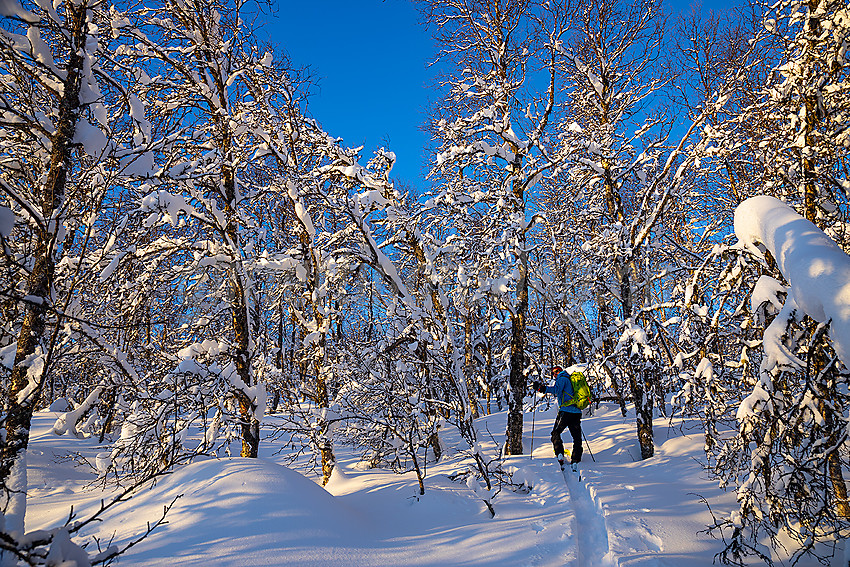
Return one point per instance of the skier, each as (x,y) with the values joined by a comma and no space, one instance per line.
(569,416)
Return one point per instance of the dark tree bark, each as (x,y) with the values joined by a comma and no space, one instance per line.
(468,369)
(518,379)
(50,197)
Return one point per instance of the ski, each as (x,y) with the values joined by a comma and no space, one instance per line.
(569,467)
(572,467)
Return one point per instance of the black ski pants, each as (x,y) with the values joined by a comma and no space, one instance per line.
(572,421)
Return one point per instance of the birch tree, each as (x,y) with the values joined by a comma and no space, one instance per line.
(493,143)
(627,182)
(784,134)
(53,78)
(206,60)
(65,143)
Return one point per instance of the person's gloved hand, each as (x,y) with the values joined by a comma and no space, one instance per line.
(539,386)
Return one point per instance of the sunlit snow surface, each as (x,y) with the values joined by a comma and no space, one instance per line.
(236,512)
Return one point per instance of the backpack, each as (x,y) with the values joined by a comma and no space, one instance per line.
(581,391)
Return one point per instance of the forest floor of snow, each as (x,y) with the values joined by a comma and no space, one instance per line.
(235,511)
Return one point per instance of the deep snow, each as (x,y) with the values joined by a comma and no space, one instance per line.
(236,512)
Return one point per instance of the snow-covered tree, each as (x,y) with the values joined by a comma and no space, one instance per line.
(783,134)
(323,177)
(787,454)
(206,77)
(624,197)
(66,145)
(715,332)
(809,101)
(494,146)
(42,105)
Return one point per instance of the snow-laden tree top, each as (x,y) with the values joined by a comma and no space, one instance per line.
(817,270)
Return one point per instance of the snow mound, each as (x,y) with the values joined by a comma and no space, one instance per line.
(240,512)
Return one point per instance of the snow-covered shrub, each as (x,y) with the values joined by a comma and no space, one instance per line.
(776,410)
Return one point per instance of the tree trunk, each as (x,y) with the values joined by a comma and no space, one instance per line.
(839,487)
(834,466)
(569,356)
(471,388)
(280,332)
(322,398)
(641,390)
(810,189)
(638,380)
(247,407)
(643,411)
(489,370)
(641,386)
(419,478)
(239,312)
(540,335)
(607,349)
(513,443)
(325,447)
(279,357)
(811,198)
(19,411)
(825,381)
(291,392)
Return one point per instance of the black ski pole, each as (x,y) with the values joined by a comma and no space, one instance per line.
(533,412)
(588,445)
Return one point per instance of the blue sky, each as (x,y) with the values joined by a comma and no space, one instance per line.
(371,58)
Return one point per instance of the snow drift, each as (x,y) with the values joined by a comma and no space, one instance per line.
(242,511)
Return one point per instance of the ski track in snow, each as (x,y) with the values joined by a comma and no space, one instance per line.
(590,528)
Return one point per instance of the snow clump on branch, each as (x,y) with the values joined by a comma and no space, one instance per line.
(817,270)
